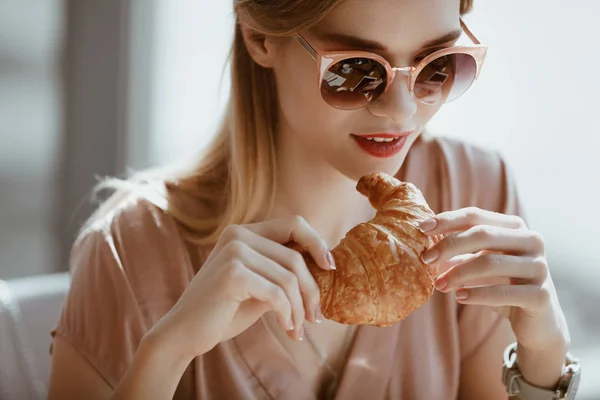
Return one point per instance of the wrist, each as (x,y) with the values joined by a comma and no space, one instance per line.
(542,368)
(155,371)
(164,342)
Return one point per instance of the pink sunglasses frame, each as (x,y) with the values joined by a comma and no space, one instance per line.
(325,59)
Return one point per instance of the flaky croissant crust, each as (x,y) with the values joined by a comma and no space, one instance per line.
(380,278)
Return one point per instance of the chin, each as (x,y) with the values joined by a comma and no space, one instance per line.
(355,171)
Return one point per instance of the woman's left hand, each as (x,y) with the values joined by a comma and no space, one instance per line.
(493,259)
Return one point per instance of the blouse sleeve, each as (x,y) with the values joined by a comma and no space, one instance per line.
(100,316)
(127,271)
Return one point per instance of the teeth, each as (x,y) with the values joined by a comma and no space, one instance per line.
(380,140)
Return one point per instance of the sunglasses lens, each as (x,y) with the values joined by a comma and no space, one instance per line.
(353,83)
(445,78)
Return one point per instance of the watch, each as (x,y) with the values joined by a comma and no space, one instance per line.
(516,385)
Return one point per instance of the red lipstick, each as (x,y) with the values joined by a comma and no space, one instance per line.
(381,145)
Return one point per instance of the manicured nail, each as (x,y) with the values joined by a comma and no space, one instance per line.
(461,294)
(331,260)
(301,334)
(430,256)
(441,284)
(318,315)
(290,326)
(427,225)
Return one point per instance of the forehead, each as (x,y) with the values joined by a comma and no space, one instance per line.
(400,25)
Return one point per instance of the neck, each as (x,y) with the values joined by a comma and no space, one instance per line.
(307,186)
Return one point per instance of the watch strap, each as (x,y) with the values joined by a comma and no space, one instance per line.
(517,386)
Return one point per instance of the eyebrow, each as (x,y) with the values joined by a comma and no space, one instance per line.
(355,41)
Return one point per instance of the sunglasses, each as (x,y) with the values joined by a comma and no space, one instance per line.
(350,80)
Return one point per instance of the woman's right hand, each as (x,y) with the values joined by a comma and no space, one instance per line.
(248,273)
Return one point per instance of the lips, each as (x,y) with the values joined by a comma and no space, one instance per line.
(381,145)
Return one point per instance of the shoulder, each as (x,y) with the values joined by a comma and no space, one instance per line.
(130,208)
(127,216)
(465,174)
(132,235)
(128,268)
(466,158)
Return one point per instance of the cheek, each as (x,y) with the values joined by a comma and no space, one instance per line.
(302,108)
(426,112)
(298,97)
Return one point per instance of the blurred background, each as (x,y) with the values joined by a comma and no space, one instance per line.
(93,88)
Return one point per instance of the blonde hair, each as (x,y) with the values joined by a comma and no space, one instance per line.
(234,177)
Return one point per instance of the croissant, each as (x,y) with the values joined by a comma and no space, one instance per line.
(380,278)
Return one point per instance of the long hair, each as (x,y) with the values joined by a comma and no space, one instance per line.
(234,177)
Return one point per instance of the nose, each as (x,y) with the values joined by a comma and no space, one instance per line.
(397,103)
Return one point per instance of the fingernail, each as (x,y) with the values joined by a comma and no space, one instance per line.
(301,334)
(427,225)
(430,256)
(331,260)
(318,315)
(290,326)
(441,284)
(461,294)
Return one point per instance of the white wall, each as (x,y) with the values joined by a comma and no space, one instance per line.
(192,42)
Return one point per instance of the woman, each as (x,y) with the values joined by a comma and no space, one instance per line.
(182,288)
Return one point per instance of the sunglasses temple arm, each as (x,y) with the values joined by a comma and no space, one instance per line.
(306,45)
(468,32)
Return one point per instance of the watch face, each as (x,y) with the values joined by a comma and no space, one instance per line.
(573,386)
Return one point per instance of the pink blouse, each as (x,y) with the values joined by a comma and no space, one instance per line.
(130,268)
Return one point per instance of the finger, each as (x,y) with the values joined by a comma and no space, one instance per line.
(296,229)
(493,265)
(460,259)
(275,273)
(294,262)
(486,237)
(465,218)
(529,297)
(250,285)
(288,258)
